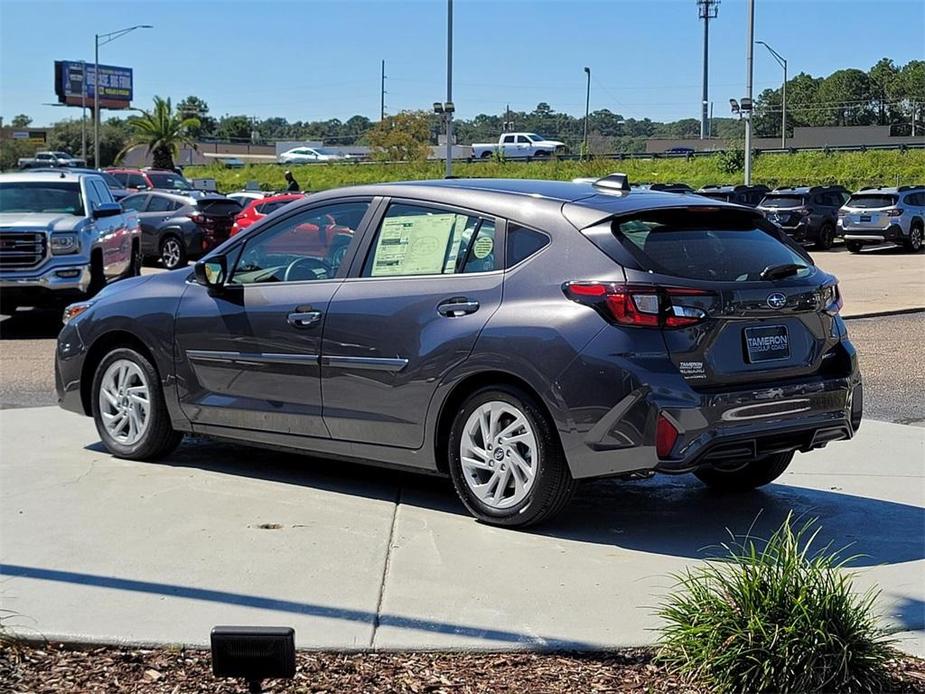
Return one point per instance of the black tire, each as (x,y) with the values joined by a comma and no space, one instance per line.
(97,277)
(541,155)
(826,237)
(854,246)
(553,485)
(485,155)
(914,243)
(172,252)
(754,473)
(159,438)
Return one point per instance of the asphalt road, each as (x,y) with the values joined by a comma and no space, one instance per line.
(890,350)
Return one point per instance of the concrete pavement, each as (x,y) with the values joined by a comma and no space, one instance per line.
(98,549)
(877,280)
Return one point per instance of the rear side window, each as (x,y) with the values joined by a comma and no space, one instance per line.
(416,240)
(160,204)
(522,243)
(136,181)
(134,202)
(870,202)
(715,246)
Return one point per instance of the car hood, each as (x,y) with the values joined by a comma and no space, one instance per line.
(37,220)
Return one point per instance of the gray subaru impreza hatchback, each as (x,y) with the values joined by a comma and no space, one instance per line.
(518,336)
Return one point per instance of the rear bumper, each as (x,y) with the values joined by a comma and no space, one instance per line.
(612,407)
(892,233)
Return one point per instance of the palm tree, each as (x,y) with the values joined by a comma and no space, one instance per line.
(163,131)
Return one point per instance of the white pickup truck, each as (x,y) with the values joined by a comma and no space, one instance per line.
(62,238)
(519,146)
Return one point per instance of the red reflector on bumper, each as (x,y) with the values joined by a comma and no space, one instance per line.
(665,436)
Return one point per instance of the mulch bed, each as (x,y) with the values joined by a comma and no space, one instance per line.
(51,668)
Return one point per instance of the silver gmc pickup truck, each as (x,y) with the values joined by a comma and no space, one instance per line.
(62,238)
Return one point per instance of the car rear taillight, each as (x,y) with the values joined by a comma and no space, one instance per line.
(640,305)
(894,213)
(666,434)
(832,301)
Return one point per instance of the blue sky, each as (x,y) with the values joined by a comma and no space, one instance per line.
(314,59)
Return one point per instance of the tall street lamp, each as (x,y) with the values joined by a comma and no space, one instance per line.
(448,107)
(783,94)
(587,110)
(102,40)
(746,104)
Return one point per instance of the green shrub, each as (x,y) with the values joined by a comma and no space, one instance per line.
(775,616)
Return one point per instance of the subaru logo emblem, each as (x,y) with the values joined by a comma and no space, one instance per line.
(777,300)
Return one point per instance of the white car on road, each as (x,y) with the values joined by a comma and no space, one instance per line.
(311,155)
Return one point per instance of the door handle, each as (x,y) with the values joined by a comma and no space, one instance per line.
(457,307)
(303,319)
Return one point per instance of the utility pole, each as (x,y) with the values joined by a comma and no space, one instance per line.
(913,118)
(707,10)
(382,94)
(748,91)
(587,112)
(449,87)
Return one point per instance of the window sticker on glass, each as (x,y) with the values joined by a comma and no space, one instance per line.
(483,246)
(413,245)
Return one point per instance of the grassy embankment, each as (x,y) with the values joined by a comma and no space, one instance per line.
(851,169)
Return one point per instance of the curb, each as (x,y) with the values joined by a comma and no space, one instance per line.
(880,314)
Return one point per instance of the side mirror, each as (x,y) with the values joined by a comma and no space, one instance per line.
(213,272)
(107,209)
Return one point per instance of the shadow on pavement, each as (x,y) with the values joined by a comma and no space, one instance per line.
(276,605)
(675,516)
(30,324)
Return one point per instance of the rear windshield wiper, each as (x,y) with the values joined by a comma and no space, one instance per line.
(776,272)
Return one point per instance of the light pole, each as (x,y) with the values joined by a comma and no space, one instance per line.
(783,94)
(448,107)
(748,92)
(587,111)
(102,40)
(83,111)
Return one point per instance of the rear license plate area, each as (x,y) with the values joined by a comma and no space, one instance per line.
(766,343)
(865,218)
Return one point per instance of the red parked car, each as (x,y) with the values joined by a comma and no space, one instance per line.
(258,209)
(151,179)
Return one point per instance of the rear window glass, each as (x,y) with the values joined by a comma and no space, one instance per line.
(872,201)
(220,207)
(782,201)
(726,197)
(705,245)
(169,181)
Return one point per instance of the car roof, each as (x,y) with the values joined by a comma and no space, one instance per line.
(529,201)
(56,174)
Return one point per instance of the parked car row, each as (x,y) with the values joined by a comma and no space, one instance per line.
(817,215)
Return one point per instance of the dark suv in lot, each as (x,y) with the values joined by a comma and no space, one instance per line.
(518,336)
(175,228)
(740,195)
(807,214)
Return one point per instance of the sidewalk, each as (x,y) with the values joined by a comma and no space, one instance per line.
(98,549)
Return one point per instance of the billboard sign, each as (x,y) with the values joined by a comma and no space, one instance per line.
(115,84)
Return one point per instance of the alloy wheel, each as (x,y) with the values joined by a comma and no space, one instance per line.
(915,238)
(499,454)
(125,402)
(170,253)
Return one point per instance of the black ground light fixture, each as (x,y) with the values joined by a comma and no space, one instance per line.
(253,653)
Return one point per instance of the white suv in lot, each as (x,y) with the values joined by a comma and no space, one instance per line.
(884,215)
